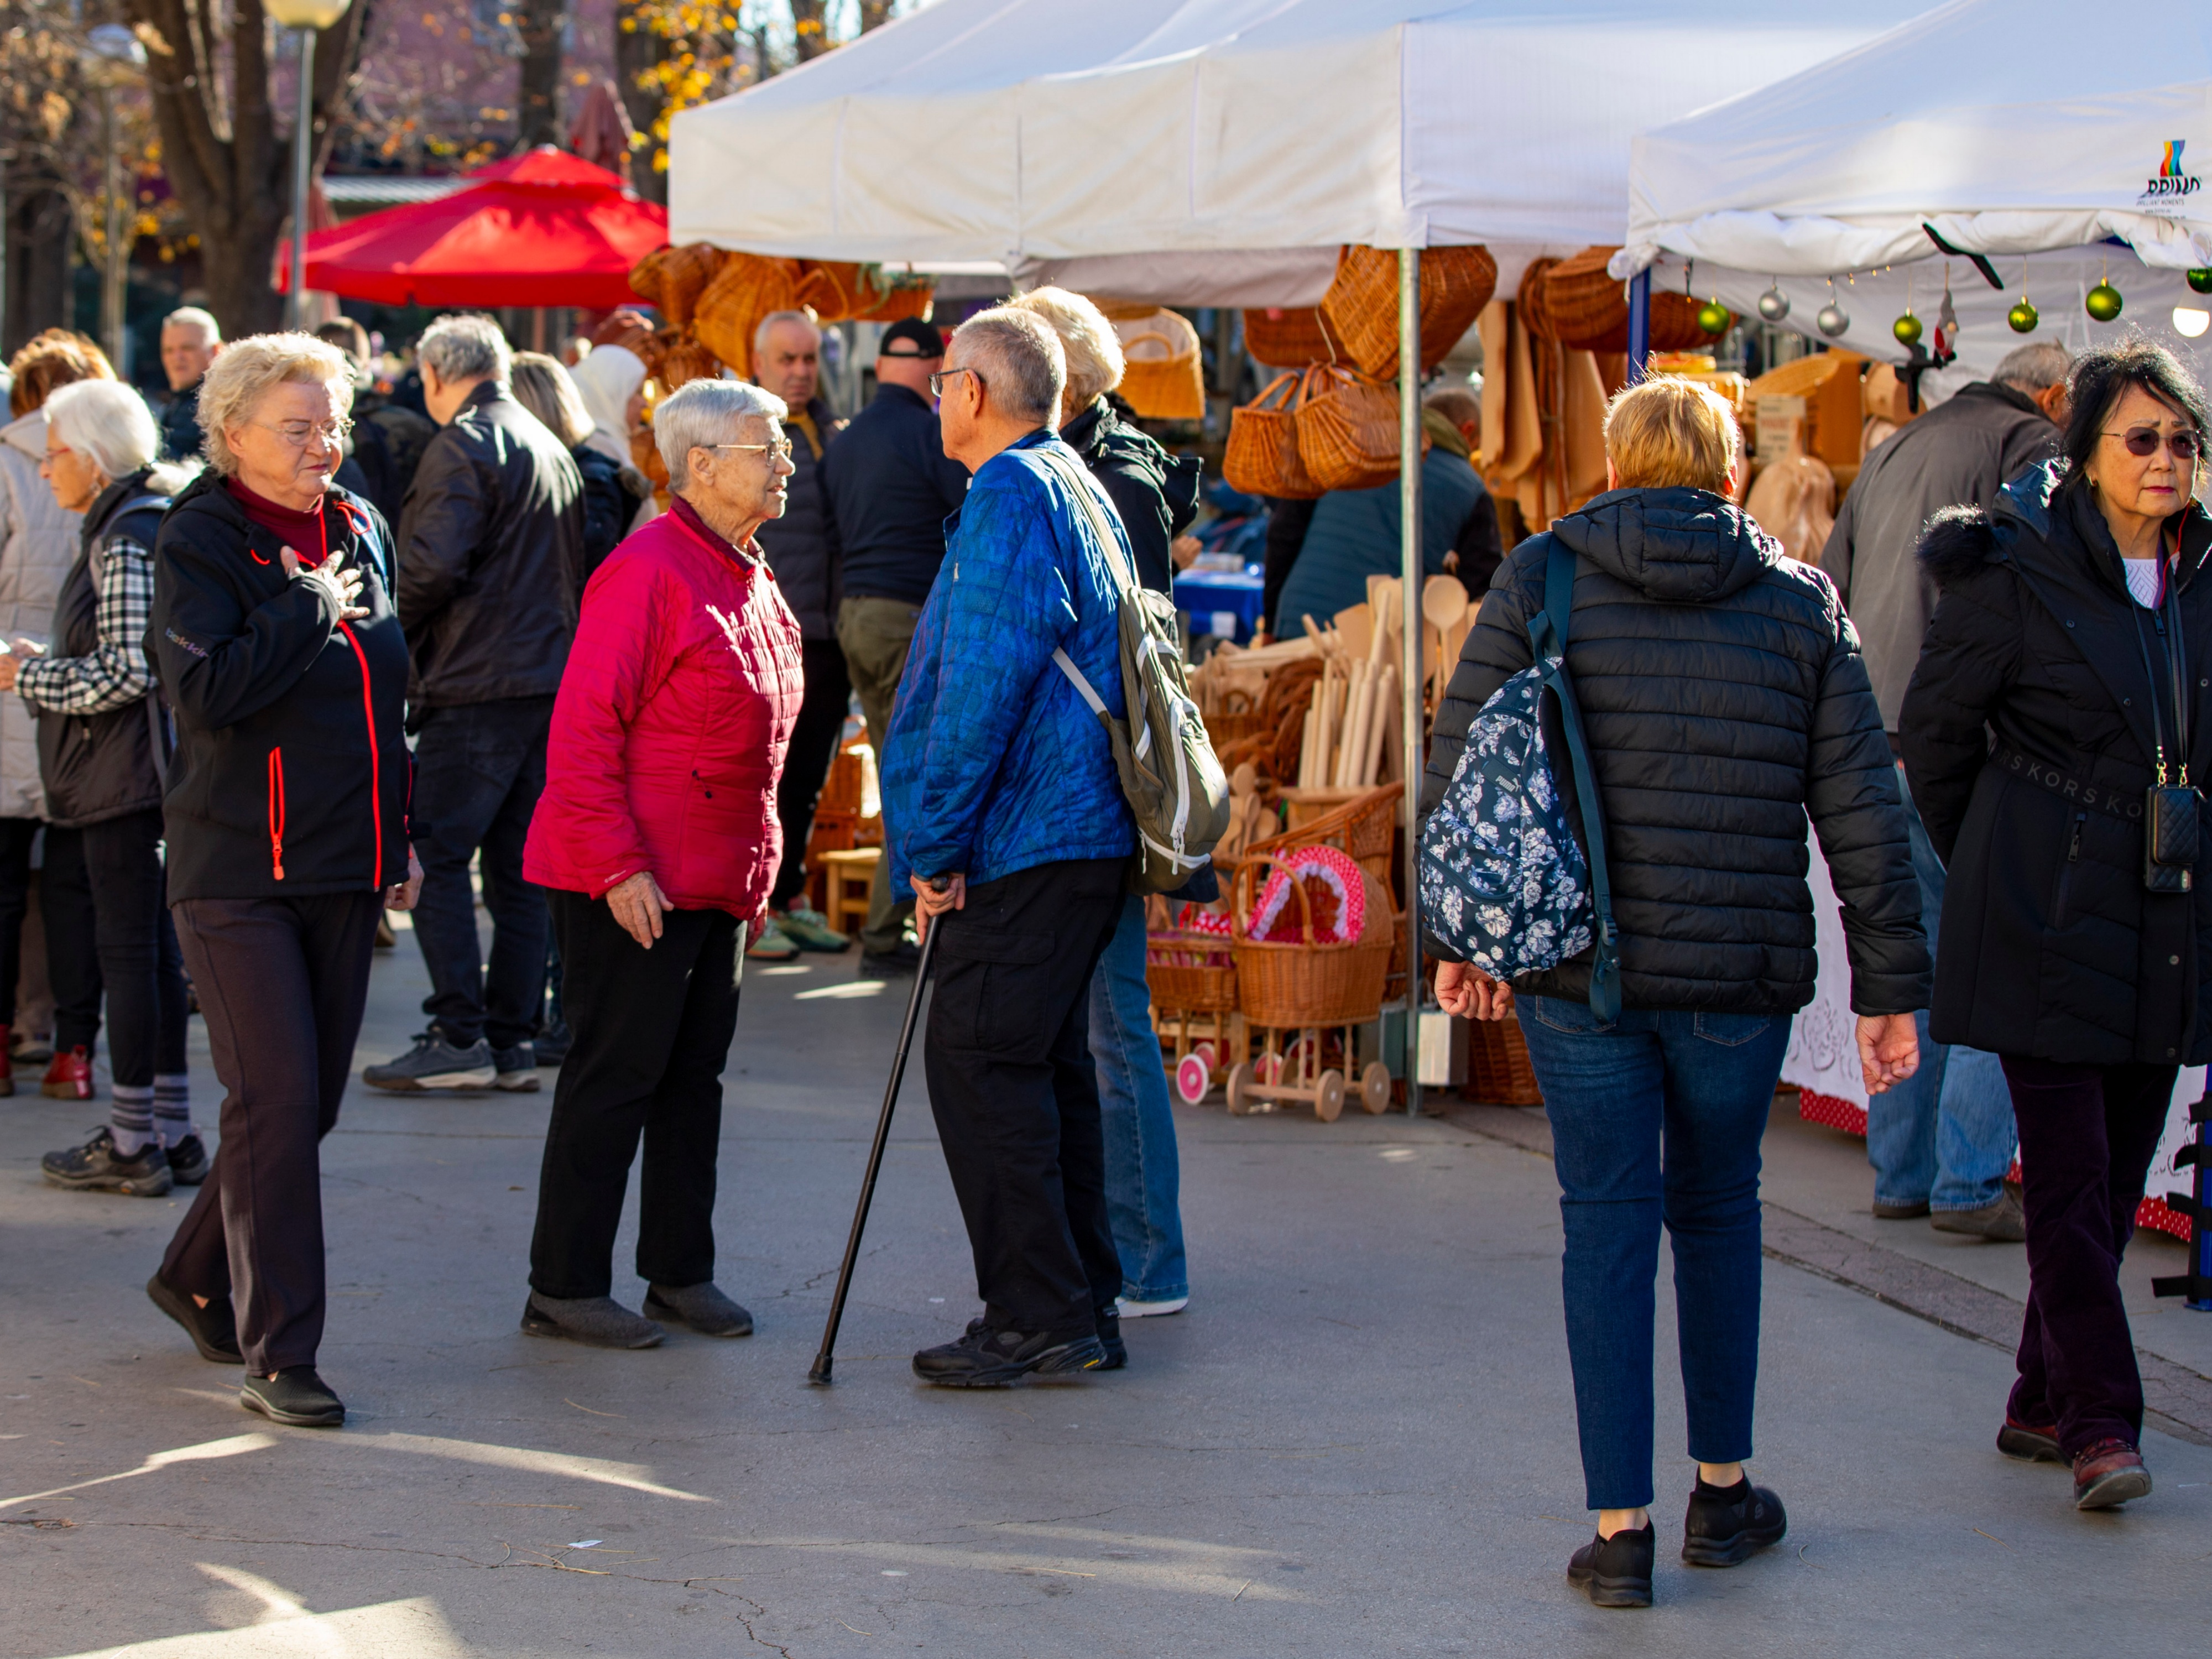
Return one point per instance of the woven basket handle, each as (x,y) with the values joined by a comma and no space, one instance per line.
(1245,874)
(1289,378)
(1138,339)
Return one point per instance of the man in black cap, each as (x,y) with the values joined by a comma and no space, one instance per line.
(887,490)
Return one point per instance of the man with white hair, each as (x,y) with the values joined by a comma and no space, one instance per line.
(1005,817)
(490,545)
(190,336)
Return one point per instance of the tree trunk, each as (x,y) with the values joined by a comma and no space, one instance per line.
(637,49)
(809,28)
(40,227)
(874,14)
(234,183)
(543,25)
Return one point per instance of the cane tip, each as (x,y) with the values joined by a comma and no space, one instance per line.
(820,1373)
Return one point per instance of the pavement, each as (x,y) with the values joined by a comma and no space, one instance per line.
(1359,1439)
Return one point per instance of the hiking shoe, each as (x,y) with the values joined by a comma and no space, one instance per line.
(1109,1339)
(189,1161)
(551,1044)
(213,1329)
(598,1321)
(1911,1210)
(516,1069)
(702,1307)
(985,1359)
(435,1063)
(2016,1439)
(770,944)
(1160,1309)
(2003,1222)
(96,1166)
(295,1395)
(70,1078)
(810,930)
(1616,1571)
(2107,1473)
(1725,1524)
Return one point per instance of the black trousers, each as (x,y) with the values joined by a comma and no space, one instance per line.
(807,765)
(1015,1094)
(16,836)
(649,1033)
(479,769)
(110,929)
(2088,1134)
(282,983)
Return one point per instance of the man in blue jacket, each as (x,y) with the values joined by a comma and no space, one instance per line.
(1001,785)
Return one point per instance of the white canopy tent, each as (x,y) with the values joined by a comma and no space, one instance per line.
(1217,152)
(2059,147)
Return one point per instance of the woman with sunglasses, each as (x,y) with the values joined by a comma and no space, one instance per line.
(2074,624)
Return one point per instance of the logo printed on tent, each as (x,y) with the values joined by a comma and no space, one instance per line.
(2171,182)
(2171,167)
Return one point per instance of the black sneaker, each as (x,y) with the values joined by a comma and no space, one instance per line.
(435,1063)
(213,1329)
(188,1162)
(516,1068)
(985,1359)
(97,1167)
(902,958)
(1725,1524)
(295,1395)
(1110,1338)
(1616,1571)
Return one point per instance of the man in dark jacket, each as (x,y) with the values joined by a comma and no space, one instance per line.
(189,339)
(387,441)
(1942,1141)
(489,542)
(787,362)
(887,489)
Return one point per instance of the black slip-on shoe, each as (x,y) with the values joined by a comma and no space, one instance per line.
(213,1329)
(1109,1339)
(598,1321)
(295,1395)
(1616,1571)
(985,1359)
(1725,1524)
(704,1307)
(2029,1445)
(188,1162)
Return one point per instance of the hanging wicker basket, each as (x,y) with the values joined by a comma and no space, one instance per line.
(1262,458)
(1361,307)
(673,278)
(1347,428)
(1288,338)
(1163,377)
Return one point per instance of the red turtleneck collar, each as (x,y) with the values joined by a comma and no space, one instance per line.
(303,532)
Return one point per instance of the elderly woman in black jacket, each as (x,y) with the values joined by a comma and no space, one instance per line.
(2075,625)
(1724,700)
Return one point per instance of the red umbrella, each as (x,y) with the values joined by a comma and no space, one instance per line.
(543,228)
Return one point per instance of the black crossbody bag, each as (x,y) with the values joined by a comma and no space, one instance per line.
(2170,809)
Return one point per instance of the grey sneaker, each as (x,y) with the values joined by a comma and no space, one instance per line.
(600,1321)
(2002,1222)
(702,1307)
(435,1063)
(517,1069)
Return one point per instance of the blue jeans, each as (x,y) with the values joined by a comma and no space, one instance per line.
(1656,1117)
(1143,1178)
(1944,1137)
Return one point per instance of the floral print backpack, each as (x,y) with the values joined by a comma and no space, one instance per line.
(1503,880)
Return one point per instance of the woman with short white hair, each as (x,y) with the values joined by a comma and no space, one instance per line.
(657,842)
(287,814)
(104,743)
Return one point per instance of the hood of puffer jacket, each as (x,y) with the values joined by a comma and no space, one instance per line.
(1681,546)
(28,433)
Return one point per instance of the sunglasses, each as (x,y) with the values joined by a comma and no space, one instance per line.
(2142,441)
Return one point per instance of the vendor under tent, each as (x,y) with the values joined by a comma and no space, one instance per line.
(1220,152)
(543,228)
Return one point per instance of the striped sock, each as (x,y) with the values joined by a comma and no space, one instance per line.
(132,1118)
(172,1106)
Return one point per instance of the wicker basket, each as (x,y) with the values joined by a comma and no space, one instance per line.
(1361,307)
(1225,729)
(1190,987)
(1263,454)
(1347,429)
(1303,982)
(1675,323)
(1497,1069)
(673,278)
(1161,375)
(1575,301)
(1288,338)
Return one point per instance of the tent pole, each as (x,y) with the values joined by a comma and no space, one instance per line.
(1640,325)
(1409,522)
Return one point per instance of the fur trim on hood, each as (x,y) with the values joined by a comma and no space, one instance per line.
(1956,542)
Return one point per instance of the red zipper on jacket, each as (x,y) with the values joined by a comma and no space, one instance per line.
(276,812)
(375,763)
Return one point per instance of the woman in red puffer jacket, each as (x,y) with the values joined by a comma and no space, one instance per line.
(656,840)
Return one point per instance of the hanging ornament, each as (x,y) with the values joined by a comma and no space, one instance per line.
(1906,328)
(2023,317)
(1833,319)
(1714,318)
(2103,302)
(2201,281)
(1774,304)
(1947,326)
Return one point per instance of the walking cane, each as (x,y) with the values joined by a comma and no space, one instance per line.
(823,1362)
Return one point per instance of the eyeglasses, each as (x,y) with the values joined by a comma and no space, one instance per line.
(299,434)
(937,381)
(779,450)
(2142,441)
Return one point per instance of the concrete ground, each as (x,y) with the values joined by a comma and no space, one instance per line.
(1359,1439)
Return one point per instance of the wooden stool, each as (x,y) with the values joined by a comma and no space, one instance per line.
(850,875)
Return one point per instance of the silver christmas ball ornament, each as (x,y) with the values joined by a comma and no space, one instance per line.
(1831,321)
(1774,305)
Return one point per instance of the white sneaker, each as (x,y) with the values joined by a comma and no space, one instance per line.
(1128,1310)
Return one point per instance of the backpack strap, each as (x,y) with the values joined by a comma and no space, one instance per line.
(1547,635)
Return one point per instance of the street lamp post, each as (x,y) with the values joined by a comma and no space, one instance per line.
(308,17)
(112,60)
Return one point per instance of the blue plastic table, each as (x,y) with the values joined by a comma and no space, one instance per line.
(1220,602)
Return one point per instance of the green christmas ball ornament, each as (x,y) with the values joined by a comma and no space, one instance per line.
(2023,318)
(2201,281)
(1906,328)
(1714,318)
(2103,302)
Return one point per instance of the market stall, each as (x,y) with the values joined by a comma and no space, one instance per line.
(1934,221)
(1222,152)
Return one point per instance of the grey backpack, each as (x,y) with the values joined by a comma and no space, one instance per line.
(1170,775)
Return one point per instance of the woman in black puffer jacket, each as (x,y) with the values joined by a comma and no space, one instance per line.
(1724,699)
(2075,625)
